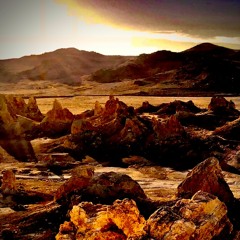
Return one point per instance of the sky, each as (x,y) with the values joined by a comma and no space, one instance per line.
(116,27)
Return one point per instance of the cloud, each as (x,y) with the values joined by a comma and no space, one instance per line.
(202,19)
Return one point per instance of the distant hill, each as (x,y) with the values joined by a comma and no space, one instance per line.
(205,67)
(63,65)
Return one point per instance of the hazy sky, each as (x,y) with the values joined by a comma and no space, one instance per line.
(124,27)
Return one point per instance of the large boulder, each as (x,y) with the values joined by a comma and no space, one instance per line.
(203,216)
(110,186)
(122,220)
(206,176)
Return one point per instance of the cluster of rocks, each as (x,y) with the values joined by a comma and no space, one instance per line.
(116,131)
(203,208)
(112,205)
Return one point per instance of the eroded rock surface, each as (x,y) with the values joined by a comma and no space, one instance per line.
(122,220)
(206,176)
(203,216)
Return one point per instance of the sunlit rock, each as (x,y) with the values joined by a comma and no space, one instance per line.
(206,176)
(203,216)
(98,109)
(57,121)
(32,110)
(122,220)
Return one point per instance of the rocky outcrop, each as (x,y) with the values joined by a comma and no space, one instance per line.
(79,180)
(57,122)
(171,128)
(206,176)
(32,110)
(147,108)
(177,105)
(17,105)
(203,216)
(122,220)
(168,108)
(220,105)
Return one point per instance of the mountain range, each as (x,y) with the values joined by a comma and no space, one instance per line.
(203,68)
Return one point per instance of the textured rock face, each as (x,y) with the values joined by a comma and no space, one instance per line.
(122,220)
(17,105)
(80,179)
(206,176)
(32,110)
(111,186)
(57,121)
(203,216)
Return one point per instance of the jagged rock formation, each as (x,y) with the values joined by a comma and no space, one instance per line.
(17,106)
(13,128)
(203,216)
(220,105)
(57,121)
(206,176)
(169,129)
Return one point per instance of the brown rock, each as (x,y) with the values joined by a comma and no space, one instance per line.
(219,104)
(202,217)
(17,106)
(59,114)
(32,110)
(177,105)
(8,183)
(57,121)
(169,129)
(122,220)
(98,109)
(81,125)
(206,176)
(80,179)
(111,186)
